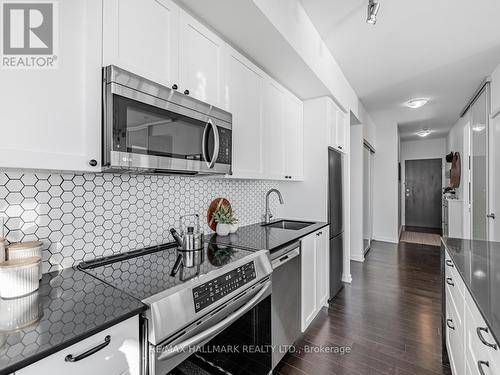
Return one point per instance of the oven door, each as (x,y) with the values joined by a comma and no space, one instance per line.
(148,133)
(235,339)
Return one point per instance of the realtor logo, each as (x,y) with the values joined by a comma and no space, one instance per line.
(29,35)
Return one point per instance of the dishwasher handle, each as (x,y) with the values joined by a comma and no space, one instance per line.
(285,258)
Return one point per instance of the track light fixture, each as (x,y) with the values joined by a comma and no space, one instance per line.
(373,9)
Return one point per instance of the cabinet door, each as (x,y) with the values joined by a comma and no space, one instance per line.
(244,86)
(294,138)
(308,260)
(273,142)
(143,37)
(201,62)
(120,356)
(322,266)
(51,119)
(331,115)
(341,129)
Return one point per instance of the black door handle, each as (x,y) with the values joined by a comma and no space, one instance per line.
(480,331)
(88,353)
(186,92)
(174,86)
(480,366)
(449,263)
(449,281)
(448,323)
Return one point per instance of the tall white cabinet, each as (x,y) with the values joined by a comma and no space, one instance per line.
(315,275)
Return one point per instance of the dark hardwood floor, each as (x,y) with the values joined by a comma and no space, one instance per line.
(389,318)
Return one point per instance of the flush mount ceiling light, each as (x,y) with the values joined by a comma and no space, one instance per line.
(424,132)
(479,127)
(373,9)
(416,103)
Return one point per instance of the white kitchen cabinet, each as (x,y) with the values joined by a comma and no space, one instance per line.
(201,62)
(315,275)
(338,126)
(467,351)
(51,119)
(245,93)
(273,118)
(294,138)
(121,356)
(143,37)
(321,246)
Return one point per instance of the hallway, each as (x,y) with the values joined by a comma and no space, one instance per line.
(389,317)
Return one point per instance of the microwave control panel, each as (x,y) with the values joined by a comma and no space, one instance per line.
(225,146)
(206,294)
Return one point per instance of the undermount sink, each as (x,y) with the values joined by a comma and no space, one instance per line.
(289,224)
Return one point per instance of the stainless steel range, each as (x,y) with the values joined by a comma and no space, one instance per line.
(211,315)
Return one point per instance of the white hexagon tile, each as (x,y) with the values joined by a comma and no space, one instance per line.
(84,216)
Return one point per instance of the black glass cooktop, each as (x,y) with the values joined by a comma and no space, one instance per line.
(147,272)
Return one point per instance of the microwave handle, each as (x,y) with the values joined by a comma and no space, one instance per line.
(216,143)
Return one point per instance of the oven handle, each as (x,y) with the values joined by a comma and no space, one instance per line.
(216,143)
(216,329)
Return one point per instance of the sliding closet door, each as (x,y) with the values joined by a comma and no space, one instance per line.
(367,197)
(479,161)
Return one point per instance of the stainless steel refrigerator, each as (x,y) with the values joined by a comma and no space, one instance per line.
(335,219)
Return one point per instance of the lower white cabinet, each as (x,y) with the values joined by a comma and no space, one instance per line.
(315,275)
(121,356)
(472,350)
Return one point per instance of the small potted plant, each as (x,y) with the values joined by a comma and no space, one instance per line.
(226,222)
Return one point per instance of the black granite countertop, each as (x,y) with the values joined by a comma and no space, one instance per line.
(259,237)
(478,262)
(69,307)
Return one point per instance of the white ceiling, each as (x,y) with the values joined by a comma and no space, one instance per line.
(422,48)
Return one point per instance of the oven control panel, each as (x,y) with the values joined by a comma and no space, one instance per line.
(213,290)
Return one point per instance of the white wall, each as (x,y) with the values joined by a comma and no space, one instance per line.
(385,184)
(416,150)
(356,219)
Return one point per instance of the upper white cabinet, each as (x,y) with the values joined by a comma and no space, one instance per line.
(201,62)
(315,274)
(159,41)
(338,127)
(245,97)
(294,138)
(273,118)
(143,37)
(51,119)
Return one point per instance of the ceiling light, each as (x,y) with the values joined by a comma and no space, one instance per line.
(416,103)
(373,8)
(424,132)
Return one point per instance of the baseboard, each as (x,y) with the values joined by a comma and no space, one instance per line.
(358,258)
(347,278)
(385,239)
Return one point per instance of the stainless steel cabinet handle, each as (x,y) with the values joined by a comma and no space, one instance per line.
(491,216)
(449,263)
(449,324)
(216,144)
(88,353)
(480,366)
(449,281)
(171,351)
(480,331)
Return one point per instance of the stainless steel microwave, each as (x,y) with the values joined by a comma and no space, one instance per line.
(150,128)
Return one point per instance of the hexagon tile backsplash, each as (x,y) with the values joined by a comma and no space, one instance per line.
(84,216)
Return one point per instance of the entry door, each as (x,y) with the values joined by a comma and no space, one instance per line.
(423,193)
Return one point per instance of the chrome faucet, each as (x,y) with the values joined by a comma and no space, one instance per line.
(269,215)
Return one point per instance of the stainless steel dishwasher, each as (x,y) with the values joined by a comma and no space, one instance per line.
(285,299)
